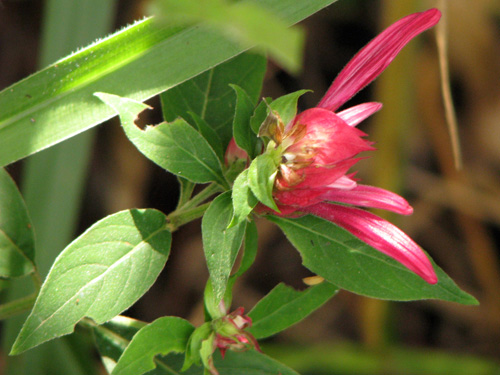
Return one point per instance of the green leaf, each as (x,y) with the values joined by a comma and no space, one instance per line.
(259,115)
(220,243)
(261,175)
(17,243)
(210,96)
(209,134)
(242,133)
(285,306)
(286,105)
(177,147)
(212,304)
(138,62)
(100,274)
(250,249)
(164,335)
(193,355)
(244,22)
(243,199)
(349,263)
(250,362)
(113,337)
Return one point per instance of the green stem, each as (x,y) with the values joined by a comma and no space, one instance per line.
(179,218)
(17,306)
(201,196)
(186,189)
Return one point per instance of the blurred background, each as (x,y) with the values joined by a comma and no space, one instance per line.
(456,218)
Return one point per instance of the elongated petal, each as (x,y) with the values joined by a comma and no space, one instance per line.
(344,182)
(375,57)
(354,115)
(370,196)
(379,234)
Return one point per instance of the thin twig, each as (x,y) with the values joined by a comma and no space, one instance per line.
(451,117)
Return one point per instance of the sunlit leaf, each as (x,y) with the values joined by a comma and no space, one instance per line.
(175,146)
(100,274)
(138,62)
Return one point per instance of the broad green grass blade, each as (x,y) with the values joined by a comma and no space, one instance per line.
(137,62)
(243,21)
(52,185)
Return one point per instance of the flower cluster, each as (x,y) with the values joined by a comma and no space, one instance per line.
(319,146)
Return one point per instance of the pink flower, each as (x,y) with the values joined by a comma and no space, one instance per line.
(319,146)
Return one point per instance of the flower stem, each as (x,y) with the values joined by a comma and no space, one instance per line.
(201,196)
(179,218)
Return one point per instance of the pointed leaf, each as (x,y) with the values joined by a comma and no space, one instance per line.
(210,96)
(286,105)
(261,175)
(220,243)
(209,134)
(193,347)
(285,306)
(17,243)
(250,249)
(164,335)
(349,263)
(113,337)
(243,135)
(100,274)
(259,115)
(177,147)
(243,199)
(137,62)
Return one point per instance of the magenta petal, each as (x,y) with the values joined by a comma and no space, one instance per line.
(354,115)
(375,57)
(370,196)
(379,234)
(329,136)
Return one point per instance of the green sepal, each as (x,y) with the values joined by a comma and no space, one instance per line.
(244,200)
(261,175)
